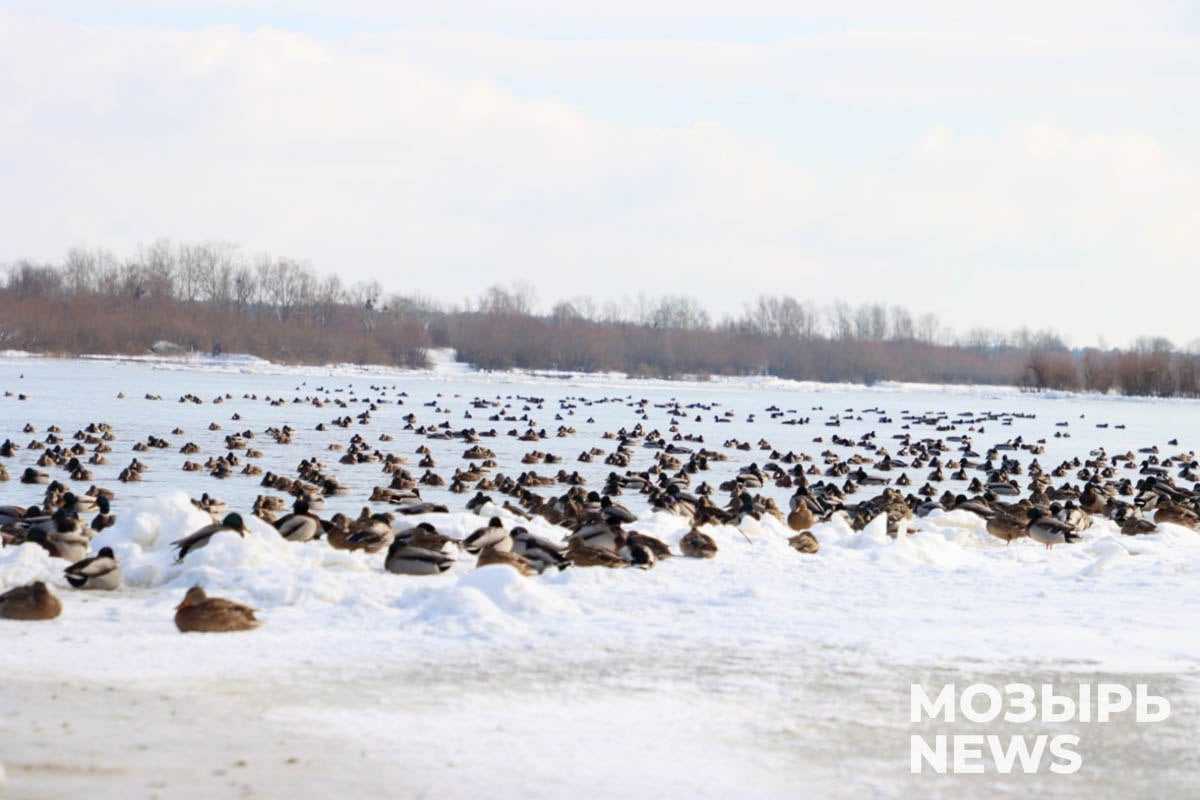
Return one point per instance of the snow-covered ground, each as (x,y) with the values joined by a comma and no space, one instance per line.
(760,673)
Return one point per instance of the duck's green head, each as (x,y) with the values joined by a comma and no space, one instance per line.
(234,520)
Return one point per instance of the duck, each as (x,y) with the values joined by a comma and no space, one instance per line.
(31,475)
(801,516)
(542,552)
(804,542)
(371,532)
(425,535)
(1169,511)
(188,544)
(598,534)
(637,552)
(1049,531)
(491,535)
(404,558)
(1074,516)
(62,535)
(212,505)
(101,572)
(490,555)
(696,544)
(299,526)
(1136,525)
(1007,527)
(32,602)
(104,518)
(656,546)
(200,613)
(79,504)
(585,555)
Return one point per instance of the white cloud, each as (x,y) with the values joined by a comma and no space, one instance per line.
(376,156)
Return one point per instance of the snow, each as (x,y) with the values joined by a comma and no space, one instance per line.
(758,673)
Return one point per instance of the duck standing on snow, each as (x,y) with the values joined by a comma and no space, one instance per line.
(203,614)
(188,544)
(1006,526)
(101,571)
(32,602)
(1049,531)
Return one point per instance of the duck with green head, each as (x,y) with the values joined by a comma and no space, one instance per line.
(188,544)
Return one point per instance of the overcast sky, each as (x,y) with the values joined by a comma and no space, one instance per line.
(1034,164)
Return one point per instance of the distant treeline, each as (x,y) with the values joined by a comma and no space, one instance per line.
(209,297)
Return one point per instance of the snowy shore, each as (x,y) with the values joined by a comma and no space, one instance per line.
(761,673)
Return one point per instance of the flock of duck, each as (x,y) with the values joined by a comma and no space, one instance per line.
(899,478)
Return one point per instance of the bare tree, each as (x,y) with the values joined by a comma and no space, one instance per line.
(841,320)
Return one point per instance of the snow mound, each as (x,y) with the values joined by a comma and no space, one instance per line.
(493,599)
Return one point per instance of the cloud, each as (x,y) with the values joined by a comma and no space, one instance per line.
(418,158)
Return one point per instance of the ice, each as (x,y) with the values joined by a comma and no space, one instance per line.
(758,673)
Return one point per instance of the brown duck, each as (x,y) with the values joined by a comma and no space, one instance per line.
(200,613)
(698,545)
(32,602)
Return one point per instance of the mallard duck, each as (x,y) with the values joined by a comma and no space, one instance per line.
(656,546)
(637,553)
(804,542)
(103,519)
(78,504)
(598,534)
(523,565)
(1176,514)
(62,536)
(585,555)
(1074,516)
(542,552)
(31,475)
(101,571)
(1136,525)
(299,526)
(1007,526)
(426,536)
(212,505)
(1049,531)
(203,614)
(801,516)
(613,513)
(372,533)
(422,508)
(232,522)
(696,544)
(32,602)
(491,535)
(406,559)
(478,501)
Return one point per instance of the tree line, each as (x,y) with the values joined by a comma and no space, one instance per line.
(211,297)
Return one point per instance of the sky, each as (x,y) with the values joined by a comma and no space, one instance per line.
(1018,164)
